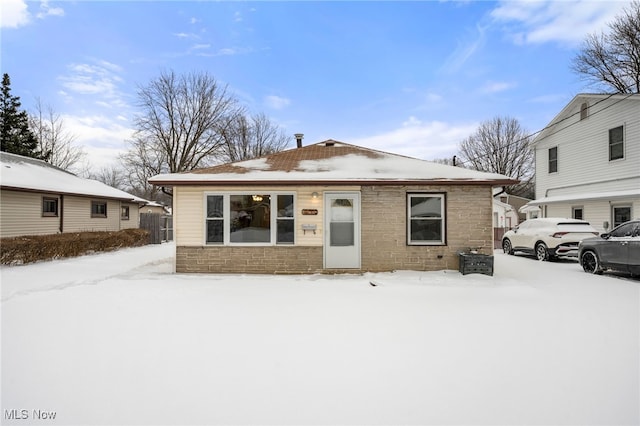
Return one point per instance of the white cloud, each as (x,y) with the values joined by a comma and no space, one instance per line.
(496,86)
(276,102)
(97,78)
(425,140)
(102,137)
(14,14)
(567,22)
(46,10)
(464,51)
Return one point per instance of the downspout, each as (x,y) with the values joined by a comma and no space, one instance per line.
(61,213)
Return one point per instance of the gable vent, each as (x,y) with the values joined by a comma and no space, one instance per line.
(329,143)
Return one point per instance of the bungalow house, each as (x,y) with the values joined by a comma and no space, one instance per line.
(37,198)
(329,207)
(588,161)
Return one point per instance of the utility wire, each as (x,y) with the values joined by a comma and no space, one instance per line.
(550,125)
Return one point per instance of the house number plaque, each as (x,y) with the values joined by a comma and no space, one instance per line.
(309,211)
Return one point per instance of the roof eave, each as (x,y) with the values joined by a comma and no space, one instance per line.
(75,194)
(378,182)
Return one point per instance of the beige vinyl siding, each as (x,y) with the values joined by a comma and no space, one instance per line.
(583,151)
(21,214)
(77,215)
(189,210)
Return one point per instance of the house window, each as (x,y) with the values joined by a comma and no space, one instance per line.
(98,209)
(49,206)
(584,110)
(621,214)
(553,159)
(285,220)
(616,143)
(124,212)
(425,219)
(215,219)
(249,219)
(577,213)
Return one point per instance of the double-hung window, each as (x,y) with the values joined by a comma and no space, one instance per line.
(49,206)
(98,209)
(616,143)
(426,219)
(247,219)
(553,159)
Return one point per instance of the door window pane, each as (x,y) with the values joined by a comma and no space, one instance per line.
(342,210)
(621,215)
(342,234)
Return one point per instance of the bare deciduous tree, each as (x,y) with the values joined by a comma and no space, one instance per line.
(113,176)
(252,137)
(141,162)
(182,119)
(612,59)
(501,145)
(53,139)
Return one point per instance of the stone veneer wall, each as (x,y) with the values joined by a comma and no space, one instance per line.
(249,260)
(384,238)
(468,224)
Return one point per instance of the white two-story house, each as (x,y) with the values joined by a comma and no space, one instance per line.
(588,161)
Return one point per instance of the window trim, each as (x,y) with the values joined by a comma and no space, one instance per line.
(443,218)
(552,161)
(613,213)
(617,143)
(128,215)
(94,204)
(56,202)
(584,111)
(226,216)
(576,208)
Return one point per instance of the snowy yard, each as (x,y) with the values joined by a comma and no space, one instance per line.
(117,338)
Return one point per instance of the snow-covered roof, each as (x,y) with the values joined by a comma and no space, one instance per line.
(29,174)
(585,196)
(331,162)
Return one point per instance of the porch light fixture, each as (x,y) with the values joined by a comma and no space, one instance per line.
(256,198)
(314,195)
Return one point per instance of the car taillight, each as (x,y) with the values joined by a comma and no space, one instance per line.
(559,234)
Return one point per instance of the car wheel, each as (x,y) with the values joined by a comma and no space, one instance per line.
(541,252)
(590,262)
(506,247)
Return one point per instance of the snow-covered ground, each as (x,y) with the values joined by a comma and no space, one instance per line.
(117,338)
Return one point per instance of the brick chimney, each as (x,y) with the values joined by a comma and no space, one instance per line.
(299,137)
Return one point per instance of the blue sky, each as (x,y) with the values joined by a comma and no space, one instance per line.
(413,78)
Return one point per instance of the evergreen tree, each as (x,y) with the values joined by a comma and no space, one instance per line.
(17,138)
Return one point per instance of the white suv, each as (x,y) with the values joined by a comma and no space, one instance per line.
(548,237)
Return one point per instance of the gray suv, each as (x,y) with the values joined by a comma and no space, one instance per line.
(618,250)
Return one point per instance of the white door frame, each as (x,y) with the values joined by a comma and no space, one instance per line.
(342,256)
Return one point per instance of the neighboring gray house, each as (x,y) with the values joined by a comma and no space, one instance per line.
(588,161)
(37,198)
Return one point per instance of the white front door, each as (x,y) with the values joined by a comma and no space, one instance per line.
(342,230)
